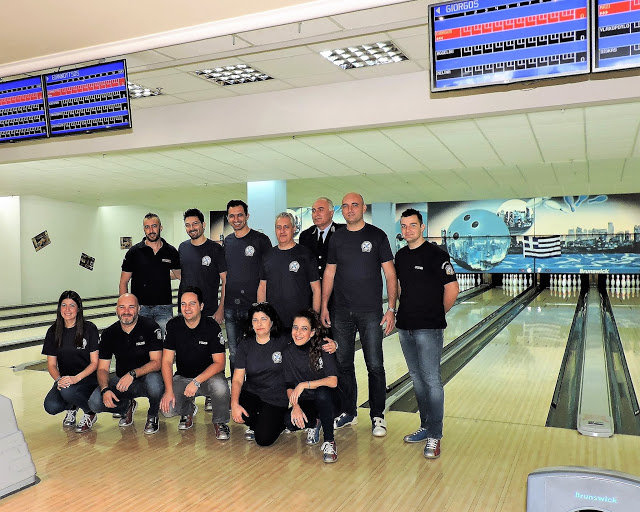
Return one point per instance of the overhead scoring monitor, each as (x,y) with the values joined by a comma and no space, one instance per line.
(616,37)
(85,100)
(22,112)
(487,42)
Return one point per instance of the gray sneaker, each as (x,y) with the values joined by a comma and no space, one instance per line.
(329,451)
(313,434)
(432,448)
(378,427)
(222,431)
(249,435)
(152,425)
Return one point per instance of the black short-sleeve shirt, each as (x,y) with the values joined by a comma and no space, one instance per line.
(193,347)
(201,266)
(297,368)
(289,274)
(358,256)
(71,359)
(244,259)
(151,278)
(263,368)
(131,350)
(422,273)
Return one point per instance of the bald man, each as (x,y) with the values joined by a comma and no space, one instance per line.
(355,257)
(136,343)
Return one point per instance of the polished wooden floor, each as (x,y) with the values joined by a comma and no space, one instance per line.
(494,436)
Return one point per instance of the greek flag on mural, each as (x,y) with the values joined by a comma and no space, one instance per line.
(541,246)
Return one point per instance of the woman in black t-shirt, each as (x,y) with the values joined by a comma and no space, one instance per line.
(260,401)
(311,374)
(71,347)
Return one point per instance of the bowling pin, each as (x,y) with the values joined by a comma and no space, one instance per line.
(608,280)
(564,280)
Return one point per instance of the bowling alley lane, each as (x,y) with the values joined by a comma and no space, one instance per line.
(513,378)
(626,310)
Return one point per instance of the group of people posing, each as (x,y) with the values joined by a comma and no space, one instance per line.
(291,313)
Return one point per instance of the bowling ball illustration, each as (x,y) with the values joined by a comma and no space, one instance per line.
(478,240)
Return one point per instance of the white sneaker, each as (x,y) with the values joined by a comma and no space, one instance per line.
(378,427)
(70,418)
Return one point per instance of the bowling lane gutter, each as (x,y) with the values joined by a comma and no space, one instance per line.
(457,354)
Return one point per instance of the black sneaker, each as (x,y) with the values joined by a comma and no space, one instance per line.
(127,419)
(222,431)
(152,426)
(70,418)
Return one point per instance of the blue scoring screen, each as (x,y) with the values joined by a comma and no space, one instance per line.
(487,42)
(88,99)
(617,35)
(22,112)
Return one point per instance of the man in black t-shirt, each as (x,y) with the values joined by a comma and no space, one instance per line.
(202,264)
(428,289)
(243,252)
(355,257)
(136,344)
(288,277)
(197,345)
(150,265)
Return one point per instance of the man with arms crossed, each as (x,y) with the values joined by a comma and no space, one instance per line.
(150,265)
(136,343)
(428,289)
(289,278)
(353,274)
(196,343)
(243,252)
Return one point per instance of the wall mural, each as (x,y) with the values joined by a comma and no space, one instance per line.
(570,234)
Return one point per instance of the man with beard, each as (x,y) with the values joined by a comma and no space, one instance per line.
(150,265)
(136,344)
(243,252)
(202,264)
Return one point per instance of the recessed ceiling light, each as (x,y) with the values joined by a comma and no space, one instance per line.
(385,52)
(140,91)
(233,75)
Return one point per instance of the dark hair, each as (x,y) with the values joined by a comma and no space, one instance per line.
(269,310)
(151,215)
(238,202)
(412,211)
(193,212)
(317,340)
(191,289)
(70,294)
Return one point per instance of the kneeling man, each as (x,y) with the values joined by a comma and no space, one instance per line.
(136,344)
(196,343)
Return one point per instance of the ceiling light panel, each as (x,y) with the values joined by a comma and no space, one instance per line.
(232,75)
(140,91)
(385,52)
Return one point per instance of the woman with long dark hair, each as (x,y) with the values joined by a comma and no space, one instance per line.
(311,374)
(260,401)
(71,347)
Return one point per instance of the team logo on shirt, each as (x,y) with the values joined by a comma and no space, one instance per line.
(84,344)
(221,338)
(448,268)
(203,342)
(166,260)
(276,357)
(158,334)
(249,250)
(366,246)
(294,266)
(418,267)
(141,343)
(320,364)
(206,261)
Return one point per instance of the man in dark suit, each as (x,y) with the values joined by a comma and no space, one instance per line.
(317,236)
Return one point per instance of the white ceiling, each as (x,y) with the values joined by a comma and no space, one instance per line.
(586,150)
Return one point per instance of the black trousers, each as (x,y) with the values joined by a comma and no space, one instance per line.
(266,420)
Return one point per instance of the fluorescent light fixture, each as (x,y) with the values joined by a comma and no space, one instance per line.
(232,75)
(385,52)
(140,91)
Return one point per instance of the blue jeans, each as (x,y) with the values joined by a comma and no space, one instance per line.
(150,386)
(58,400)
(216,387)
(345,324)
(161,313)
(422,349)
(235,322)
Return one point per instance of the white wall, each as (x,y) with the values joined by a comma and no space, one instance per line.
(73,229)
(10,291)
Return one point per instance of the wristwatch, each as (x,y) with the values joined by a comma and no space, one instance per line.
(197,384)
(393,310)
(133,374)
